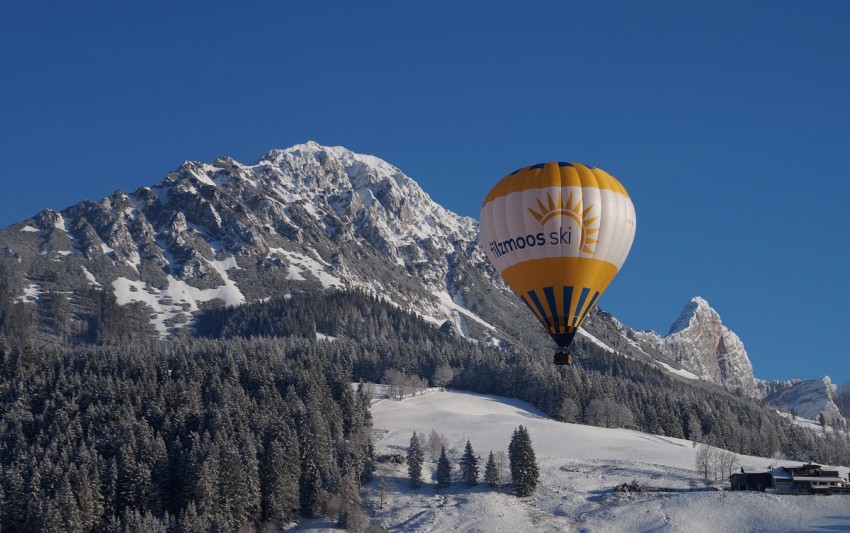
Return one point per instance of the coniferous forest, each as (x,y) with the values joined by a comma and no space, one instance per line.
(192,435)
(600,389)
(253,419)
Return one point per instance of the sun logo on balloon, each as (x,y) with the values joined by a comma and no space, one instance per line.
(553,207)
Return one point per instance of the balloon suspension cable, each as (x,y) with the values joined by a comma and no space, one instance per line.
(563,357)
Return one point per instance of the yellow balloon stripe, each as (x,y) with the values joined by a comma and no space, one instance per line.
(594,274)
(555,175)
(560,291)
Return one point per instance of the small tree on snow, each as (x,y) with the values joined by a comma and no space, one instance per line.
(469,465)
(443,475)
(414,462)
(436,441)
(491,474)
(706,461)
(383,485)
(727,463)
(524,469)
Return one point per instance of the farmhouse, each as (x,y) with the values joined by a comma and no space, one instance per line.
(809,478)
(751,479)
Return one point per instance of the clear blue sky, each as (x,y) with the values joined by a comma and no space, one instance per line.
(729,123)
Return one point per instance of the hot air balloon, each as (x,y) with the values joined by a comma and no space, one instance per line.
(558,233)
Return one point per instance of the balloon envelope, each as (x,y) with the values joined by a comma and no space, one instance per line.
(558,233)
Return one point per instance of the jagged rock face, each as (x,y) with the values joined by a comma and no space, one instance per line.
(808,399)
(312,217)
(303,218)
(700,343)
(842,399)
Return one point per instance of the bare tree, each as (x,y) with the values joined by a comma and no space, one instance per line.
(596,413)
(502,469)
(608,413)
(383,485)
(705,462)
(394,379)
(569,410)
(443,375)
(622,416)
(400,385)
(436,441)
(728,463)
(715,464)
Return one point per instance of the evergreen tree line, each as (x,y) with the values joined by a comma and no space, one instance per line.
(189,435)
(600,389)
(523,465)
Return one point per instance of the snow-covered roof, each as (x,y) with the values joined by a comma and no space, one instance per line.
(781,473)
(755,470)
(820,478)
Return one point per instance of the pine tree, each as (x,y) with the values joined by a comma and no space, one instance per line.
(523,463)
(190,521)
(280,474)
(443,475)
(469,465)
(491,473)
(414,462)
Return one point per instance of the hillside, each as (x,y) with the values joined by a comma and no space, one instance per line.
(603,388)
(143,264)
(305,218)
(230,291)
(579,466)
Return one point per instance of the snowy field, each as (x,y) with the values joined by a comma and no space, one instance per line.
(579,465)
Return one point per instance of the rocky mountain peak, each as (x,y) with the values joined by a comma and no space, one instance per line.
(809,399)
(301,218)
(306,218)
(696,312)
(700,342)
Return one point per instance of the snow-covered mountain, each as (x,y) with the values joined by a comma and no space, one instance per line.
(808,399)
(700,342)
(307,218)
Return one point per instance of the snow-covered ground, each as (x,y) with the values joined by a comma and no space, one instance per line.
(579,465)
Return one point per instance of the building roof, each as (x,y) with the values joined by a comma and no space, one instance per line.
(782,473)
(820,478)
(754,470)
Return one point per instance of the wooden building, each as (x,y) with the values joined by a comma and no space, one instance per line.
(751,479)
(809,478)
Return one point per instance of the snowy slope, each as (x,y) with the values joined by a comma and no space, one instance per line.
(579,465)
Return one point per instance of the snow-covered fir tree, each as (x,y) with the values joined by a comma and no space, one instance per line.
(469,465)
(414,461)
(524,469)
(443,475)
(491,474)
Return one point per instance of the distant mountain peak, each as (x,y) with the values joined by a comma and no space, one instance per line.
(697,308)
(809,399)
(700,342)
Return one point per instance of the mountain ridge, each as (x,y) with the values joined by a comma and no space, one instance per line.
(311,217)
